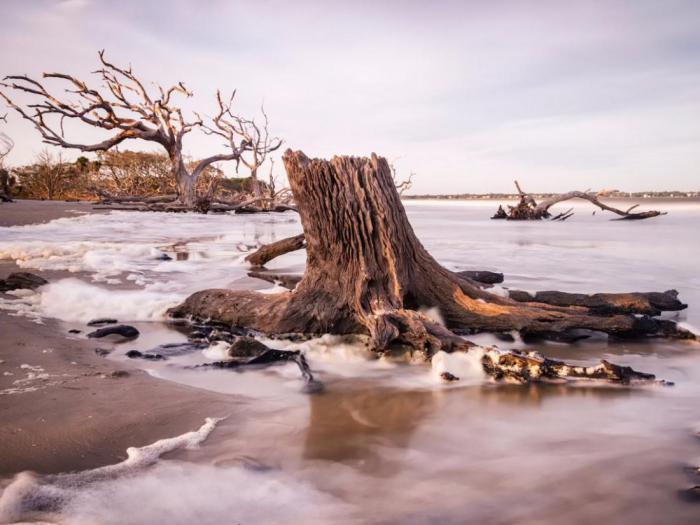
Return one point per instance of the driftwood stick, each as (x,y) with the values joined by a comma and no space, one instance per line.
(268,252)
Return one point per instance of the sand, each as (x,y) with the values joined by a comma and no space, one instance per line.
(74,410)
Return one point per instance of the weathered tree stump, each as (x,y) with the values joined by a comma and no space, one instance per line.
(367,273)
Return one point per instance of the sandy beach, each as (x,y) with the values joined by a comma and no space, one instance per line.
(76,410)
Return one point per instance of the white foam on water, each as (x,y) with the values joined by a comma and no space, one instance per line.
(466,366)
(75,300)
(217,351)
(146,489)
(206,251)
(433,314)
(28,488)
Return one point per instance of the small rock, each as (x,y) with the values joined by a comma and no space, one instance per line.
(135,354)
(119,373)
(691,495)
(506,337)
(448,377)
(242,346)
(164,257)
(102,321)
(102,352)
(74,331)
(313,387)
(21,280)
(123,330)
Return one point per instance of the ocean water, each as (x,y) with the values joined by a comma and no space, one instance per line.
(386,442)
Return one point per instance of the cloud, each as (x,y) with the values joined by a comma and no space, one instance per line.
(467,94)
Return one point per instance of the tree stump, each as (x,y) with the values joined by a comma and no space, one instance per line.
(367,273)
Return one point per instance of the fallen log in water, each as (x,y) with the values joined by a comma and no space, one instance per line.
(528,209)
(525,367)
(647,303)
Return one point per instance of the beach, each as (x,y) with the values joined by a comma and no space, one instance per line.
(88,410)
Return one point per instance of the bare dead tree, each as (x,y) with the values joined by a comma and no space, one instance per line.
(126,110)
(404,185)
(252,139)
(528,209)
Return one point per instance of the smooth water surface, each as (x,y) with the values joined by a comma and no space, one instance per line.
(386,443)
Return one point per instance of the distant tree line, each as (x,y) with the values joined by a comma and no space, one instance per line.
(113,172)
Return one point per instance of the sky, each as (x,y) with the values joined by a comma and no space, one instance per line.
(468,95)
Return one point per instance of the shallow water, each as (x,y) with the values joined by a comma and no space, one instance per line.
(385,442)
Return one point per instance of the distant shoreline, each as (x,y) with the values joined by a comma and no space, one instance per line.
(693,197)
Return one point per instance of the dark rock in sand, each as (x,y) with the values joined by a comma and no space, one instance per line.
(482,276)
(123,330)
(102,321)
(74,331)
(21,280)
(102,352)
(243,346)
(135,354)
(175,349)
(119,373)
(506,337)
(447,376)
(164,257)
(691,495)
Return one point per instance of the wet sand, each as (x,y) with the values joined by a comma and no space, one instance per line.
(88,410)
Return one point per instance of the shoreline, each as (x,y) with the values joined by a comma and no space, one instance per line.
(74,410)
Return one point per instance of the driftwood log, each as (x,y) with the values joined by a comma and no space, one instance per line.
(528,209)
(367,273)
(270,251)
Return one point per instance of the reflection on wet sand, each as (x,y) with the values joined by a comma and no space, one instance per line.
(352,426)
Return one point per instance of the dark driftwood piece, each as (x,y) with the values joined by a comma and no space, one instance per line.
(528,209)
(648,303)
(367,273)
(270,356)
(482,276)
(528,367)
(268,252)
